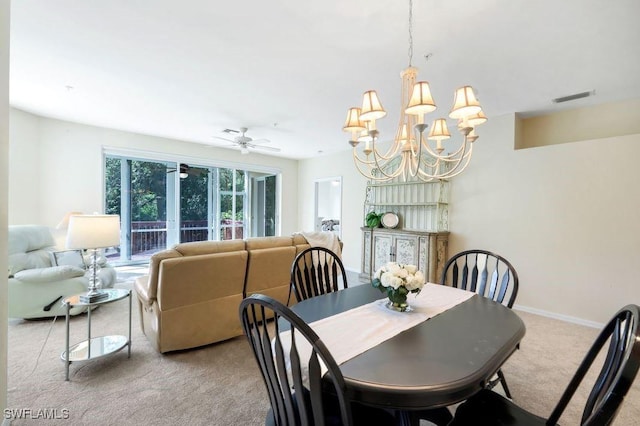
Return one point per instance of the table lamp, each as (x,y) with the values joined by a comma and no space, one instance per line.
(93,232)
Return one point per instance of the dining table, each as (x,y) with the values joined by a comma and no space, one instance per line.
(438,362)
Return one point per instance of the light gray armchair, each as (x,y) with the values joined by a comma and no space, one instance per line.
(36,288)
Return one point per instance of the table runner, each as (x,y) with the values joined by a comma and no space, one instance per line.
(352,332)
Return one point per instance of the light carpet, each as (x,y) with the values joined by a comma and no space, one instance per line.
(220,384)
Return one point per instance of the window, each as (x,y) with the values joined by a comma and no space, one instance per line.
(233,199)
(209,203)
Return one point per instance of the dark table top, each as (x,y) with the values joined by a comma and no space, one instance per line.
(439,362)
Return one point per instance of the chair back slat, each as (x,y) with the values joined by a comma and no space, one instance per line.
(616,375)
(298,386)
(334,276)
(493,284)
(454,273)
(292,361)
(322,273)
(267,363)
(465,275)
(615,358)
(326,281)
(474,278)
(315,388)
(503,285)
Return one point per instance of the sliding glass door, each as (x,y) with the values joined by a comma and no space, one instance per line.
(195,205)
(263,208)
(207,203)
(137,191)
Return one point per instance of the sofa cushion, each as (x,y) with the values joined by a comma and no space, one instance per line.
(191,280)
(24,238)
(209,247)
(269,268)
(268,242)
(52,274)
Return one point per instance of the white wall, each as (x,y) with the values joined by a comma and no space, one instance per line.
(353,190)
(57,167)
(4,154)
(25,158)
(564,215)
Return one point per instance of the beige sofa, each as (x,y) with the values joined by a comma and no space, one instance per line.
(192,293)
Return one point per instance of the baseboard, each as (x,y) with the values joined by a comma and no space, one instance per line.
(561,317)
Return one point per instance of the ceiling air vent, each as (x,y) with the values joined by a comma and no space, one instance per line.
(574,97)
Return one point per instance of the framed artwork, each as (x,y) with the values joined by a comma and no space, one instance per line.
(68,257)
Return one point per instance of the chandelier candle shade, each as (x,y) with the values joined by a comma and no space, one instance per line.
(412,155)
(93,232)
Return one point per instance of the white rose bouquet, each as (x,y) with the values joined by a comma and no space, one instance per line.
(397,281)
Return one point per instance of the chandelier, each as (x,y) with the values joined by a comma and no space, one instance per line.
(411,154)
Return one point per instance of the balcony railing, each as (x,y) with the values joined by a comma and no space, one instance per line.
(150,236)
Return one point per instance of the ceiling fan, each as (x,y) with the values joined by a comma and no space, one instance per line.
(245,142)
(186,170)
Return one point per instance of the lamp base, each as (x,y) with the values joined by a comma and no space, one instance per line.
(93,296)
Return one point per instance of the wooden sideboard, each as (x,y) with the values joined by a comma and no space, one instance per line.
(427,250)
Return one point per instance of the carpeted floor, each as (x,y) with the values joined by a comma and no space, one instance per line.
(220,384)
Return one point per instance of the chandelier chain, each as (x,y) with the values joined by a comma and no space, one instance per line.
(410,31)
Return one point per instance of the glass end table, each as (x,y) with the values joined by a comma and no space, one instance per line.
(94,347)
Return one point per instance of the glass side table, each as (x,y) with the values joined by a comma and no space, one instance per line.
(96,347)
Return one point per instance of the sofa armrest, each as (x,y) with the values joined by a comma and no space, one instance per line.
(47,275)
(141,287)
(154,271)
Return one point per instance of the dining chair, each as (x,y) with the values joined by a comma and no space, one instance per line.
(470,270)
(292,358)
(618,372)
(316,271)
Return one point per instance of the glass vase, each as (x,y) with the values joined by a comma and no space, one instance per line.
(398,302)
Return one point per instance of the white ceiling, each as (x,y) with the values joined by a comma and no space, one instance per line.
(289,69)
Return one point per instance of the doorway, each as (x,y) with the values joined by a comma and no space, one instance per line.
(328,205)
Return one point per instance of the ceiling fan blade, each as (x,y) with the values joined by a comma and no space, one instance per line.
(260,141)
(225,139)
(266,148)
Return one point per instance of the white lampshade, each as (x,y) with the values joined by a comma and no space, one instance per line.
(465,103)
(371,107)
(93,231)
(353,122)
(439,130)
(421,101)
(477,119)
